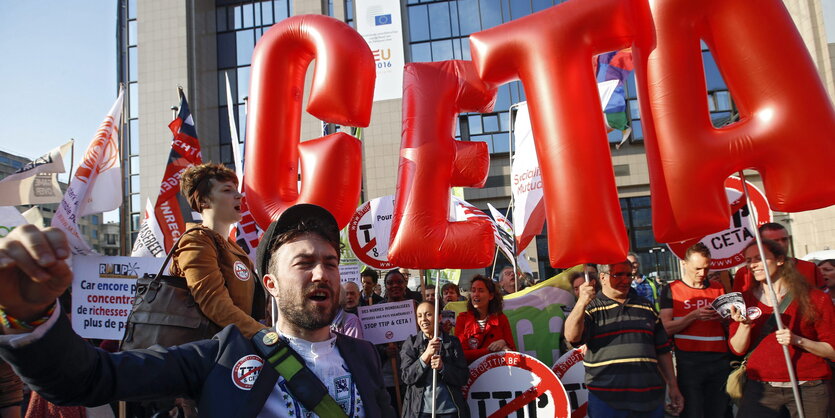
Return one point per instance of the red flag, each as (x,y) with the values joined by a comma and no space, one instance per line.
(172,210)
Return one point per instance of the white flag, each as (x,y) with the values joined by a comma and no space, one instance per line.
(149,239)
(97,183)
(35,182)
(503,233)
(526,178)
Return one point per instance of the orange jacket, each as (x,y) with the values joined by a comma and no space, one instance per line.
(221,278)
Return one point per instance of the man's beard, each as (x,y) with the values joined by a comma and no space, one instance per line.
(293,308)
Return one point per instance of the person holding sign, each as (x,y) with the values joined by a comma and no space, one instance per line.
(702,361)
(808,316)
(423,352)
(219,273)
(483,328)
(628,356)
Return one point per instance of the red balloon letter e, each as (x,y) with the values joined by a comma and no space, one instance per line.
(431,161)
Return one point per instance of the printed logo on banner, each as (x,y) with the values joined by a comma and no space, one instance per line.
(507,382)
(726,246)
(246,371)
(241,271)
(367,233)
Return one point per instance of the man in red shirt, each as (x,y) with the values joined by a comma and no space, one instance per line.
(701,346)
(778,233)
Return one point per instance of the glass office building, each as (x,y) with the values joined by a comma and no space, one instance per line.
(198,44)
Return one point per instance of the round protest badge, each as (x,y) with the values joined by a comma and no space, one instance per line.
(246,371)
(514,384)
(753,312)
(241,271)
(368,232)
(726,246)
(572,374)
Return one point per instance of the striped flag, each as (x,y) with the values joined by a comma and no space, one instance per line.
(616,65)
(172,210)
(97,183)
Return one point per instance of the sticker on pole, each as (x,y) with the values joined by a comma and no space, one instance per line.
(726,246)
(510,383)
(369,232)
(572,373)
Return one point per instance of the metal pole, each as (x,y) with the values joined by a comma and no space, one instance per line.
(435,335)
(772,296)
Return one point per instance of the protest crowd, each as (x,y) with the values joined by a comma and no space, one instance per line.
(254,311)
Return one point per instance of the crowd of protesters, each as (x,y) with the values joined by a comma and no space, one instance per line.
(651,348)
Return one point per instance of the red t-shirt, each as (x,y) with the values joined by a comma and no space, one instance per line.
(767,363)
(743,280)
(474,340)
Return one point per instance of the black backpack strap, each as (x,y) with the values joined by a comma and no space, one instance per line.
(301,381)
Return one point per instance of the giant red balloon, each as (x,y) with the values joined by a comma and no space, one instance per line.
(341,92)
(786,124)
(551,53)
(431,162)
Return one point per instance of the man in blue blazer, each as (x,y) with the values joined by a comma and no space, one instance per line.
(298,260)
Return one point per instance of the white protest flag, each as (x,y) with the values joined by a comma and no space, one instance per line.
(503,232)
(97,183)
(35,183)
(529,208)
(149,239)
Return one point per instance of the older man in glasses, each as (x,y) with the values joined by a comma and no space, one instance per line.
(628,358)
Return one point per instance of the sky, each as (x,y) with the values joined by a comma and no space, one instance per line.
(57,73)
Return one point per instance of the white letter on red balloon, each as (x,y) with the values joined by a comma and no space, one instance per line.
(551,53)
(342,92)
(431,161)
(786,121)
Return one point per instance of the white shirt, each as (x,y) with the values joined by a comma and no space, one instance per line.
(327,364)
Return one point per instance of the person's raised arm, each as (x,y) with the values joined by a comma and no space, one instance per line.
(575,323)
(33,272)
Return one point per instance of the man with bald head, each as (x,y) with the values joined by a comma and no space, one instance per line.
(351,291)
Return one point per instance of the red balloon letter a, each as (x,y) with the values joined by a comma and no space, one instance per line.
(342,92)
(786,124)
(431,161)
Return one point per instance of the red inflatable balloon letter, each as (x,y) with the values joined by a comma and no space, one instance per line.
(431,161)
(786,121)
(342,92)
(551,53)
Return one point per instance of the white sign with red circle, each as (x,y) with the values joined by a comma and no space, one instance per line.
(726,246)
(508,383)
(753,312)
(241,271)
(572,374)
(246,371)
(369,232)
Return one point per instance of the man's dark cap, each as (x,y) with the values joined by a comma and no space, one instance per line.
(288,221)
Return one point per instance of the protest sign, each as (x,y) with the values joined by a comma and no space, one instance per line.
(388,322)
(507,382)
(369,232)
(572,374)
(726,246)
(103,291)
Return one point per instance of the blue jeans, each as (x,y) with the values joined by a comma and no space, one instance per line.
(600,409)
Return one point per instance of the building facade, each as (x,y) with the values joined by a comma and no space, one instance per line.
(197,44)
